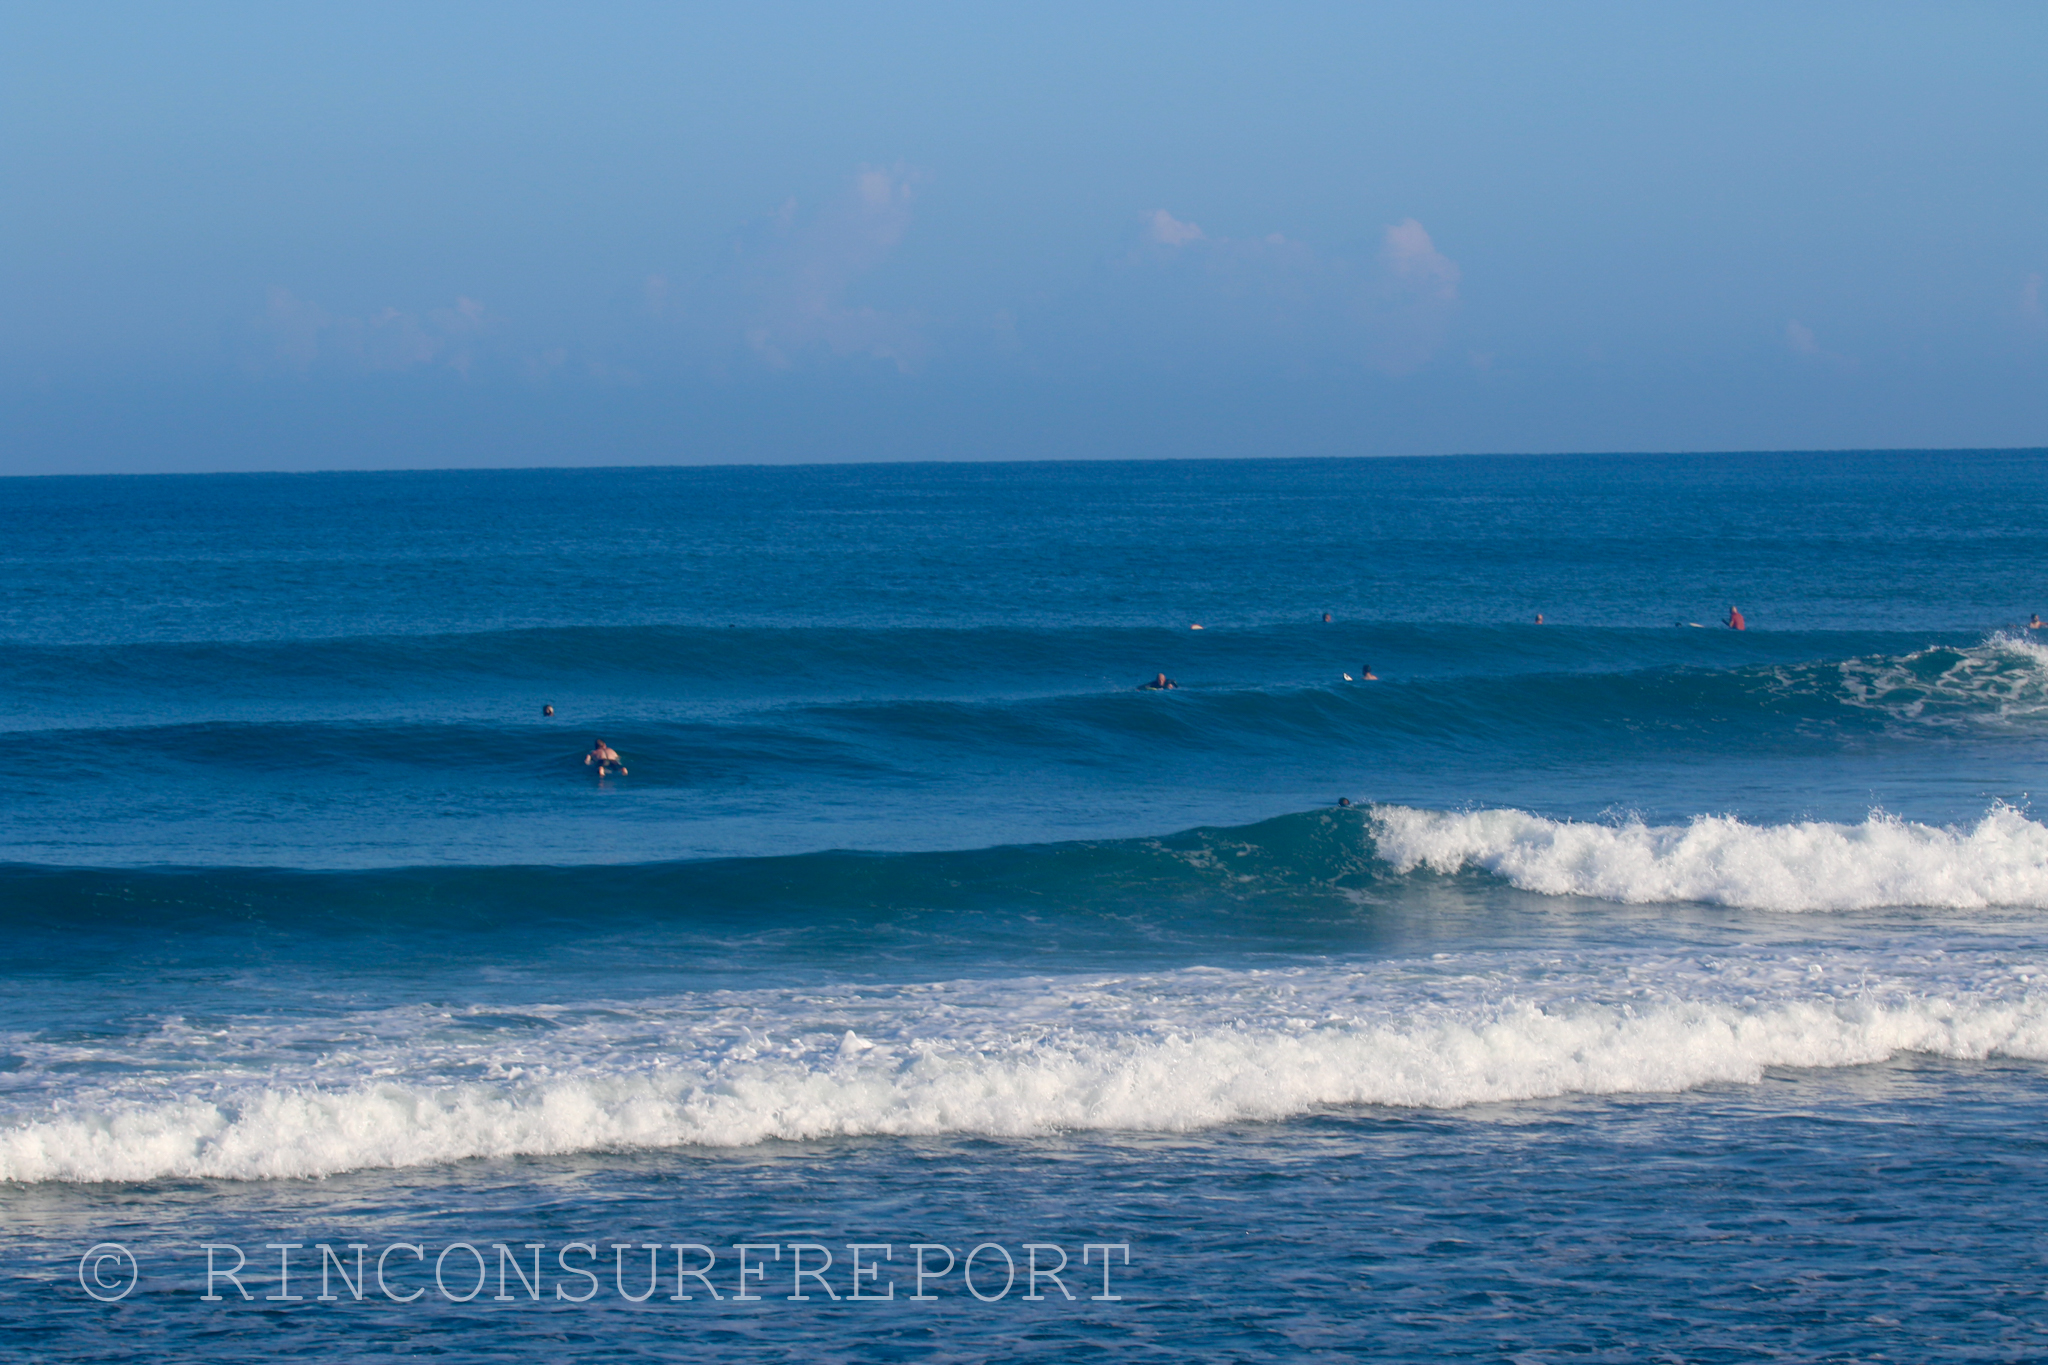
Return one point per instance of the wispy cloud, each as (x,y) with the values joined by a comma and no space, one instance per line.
(783,297)
(1412,258)
(785,293)
(1186,297)
(295,334)
(1171,231)
(1420,302)
(1800,340)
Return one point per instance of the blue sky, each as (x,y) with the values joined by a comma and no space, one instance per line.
(296,236)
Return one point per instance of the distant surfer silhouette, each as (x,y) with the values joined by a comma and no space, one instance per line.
(547,710)
(2034,621)
(605,757)
(1158,684)
(1326,616)
(1343,800)
(1735,621)
(1365,674)
(1539,618)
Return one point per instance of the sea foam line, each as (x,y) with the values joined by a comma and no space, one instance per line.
(2002,860)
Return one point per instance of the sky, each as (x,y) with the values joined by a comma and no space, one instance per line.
(299,236)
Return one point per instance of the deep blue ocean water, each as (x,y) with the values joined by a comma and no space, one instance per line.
(1668,993)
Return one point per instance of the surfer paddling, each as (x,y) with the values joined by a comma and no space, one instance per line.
(1158,684)
(605,757)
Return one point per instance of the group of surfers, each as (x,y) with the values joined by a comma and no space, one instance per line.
(1733,621)
(606,759)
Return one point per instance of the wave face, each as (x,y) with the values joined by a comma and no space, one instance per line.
(410,750)
(1289,873)
(1460,678)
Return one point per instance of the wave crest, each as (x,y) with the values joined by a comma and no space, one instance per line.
(2002,680)
(1810,865)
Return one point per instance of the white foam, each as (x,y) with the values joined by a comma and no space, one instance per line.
(2001,681)
(1812,865)
(1166,1052)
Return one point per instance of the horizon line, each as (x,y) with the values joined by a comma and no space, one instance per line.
(1081,460)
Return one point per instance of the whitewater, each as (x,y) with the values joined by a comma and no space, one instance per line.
(1811,865)
(1160,1052)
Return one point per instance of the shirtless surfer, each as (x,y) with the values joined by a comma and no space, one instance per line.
(1158,684)
(605,757)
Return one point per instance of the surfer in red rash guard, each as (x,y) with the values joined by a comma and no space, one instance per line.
(1735,621)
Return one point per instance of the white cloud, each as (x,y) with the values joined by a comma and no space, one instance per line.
(1171,231)
(1413,259)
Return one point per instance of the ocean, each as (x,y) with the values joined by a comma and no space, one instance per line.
(1622,987)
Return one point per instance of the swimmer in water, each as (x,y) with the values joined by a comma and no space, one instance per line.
(605,757)
(547,710)
(1735,621)
(1539,618)
(1158,684)
(1365,674)
(1343,800)
(2034,621)
(1326,616)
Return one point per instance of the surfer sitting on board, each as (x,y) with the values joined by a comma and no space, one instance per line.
(605,757)
(1158,684)
(1735,621)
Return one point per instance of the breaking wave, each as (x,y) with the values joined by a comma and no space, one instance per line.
(1173,1052)
(2002,860)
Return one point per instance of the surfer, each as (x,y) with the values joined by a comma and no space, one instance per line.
(1343,800)
(2034,621)
(1326,616)
(547,710)
(1539,618)
(1158,684)
(1735,621)
(605,757)
(1365,673)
